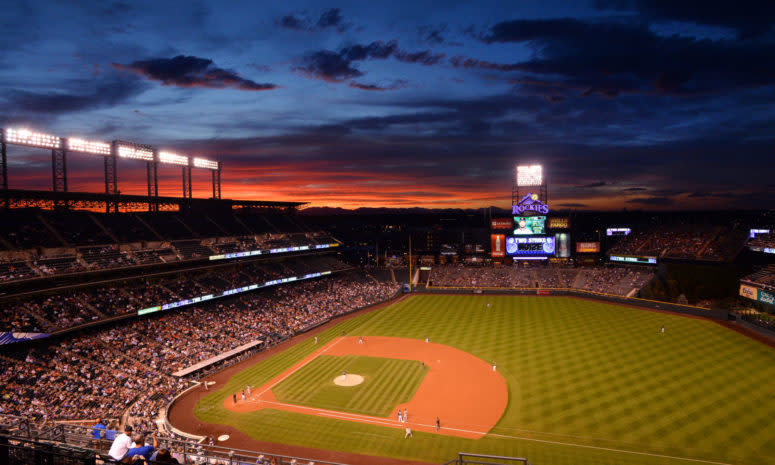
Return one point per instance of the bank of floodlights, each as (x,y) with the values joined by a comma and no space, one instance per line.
(32,139)
(134,152)
(173,158)
(88,146)
(531,175)
(204,163)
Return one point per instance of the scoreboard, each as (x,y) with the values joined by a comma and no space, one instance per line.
(530,248)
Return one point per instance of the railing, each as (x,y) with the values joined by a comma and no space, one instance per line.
(74,444)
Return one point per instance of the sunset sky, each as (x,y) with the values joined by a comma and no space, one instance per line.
(642,104)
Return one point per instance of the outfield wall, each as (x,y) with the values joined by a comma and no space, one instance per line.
(717,313)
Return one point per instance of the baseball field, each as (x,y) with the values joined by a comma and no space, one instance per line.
(577,382)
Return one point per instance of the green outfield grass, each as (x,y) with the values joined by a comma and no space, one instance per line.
(589,383)
(387,382)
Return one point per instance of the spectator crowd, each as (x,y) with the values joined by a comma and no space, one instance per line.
(51,311)
(617,280)
(129,367)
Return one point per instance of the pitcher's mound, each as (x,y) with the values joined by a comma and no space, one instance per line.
(349,380)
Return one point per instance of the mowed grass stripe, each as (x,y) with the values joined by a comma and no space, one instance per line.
(387,382)
(578,371)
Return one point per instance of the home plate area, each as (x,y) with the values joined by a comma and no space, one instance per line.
(426,380)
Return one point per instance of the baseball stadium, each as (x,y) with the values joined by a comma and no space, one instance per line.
(387,233)
(230,331)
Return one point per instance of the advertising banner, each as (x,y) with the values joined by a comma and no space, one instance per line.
(748,292)
(587,247)
(501,223)
(766,297)
(562,242)
(9,338)
(559,223)
(498,244)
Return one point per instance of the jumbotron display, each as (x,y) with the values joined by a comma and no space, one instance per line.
(530,248)
(525,225)
(530,176)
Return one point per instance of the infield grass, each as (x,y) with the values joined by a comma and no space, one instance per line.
(387,383)
(589,383)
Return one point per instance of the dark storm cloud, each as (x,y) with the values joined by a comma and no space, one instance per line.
(750,18)
(328,66)
(426,57)
(377,50)
(613,57)
(433,34)
(572,205)
(652,201)
(635,189)
(398,84)
(338,66)
(105,92)
(330,18)
(191,71)
(594,184)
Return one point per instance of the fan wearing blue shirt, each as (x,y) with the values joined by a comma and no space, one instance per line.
(96,433)
(140,447)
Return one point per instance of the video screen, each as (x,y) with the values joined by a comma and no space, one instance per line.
(539,247)
(617,231)
(529,225)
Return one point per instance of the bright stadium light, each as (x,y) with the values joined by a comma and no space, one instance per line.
(88,146)
(137,153)
(530,175)
(204,163)
(33,139)
(173,158)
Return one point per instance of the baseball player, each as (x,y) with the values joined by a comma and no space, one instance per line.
(316,339)
(408,433)
(360,339)
(663,329)
(400,417)
(438,424)
(248,390)
(493,366)
(406,415)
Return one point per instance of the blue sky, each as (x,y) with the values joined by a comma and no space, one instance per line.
(629,104)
